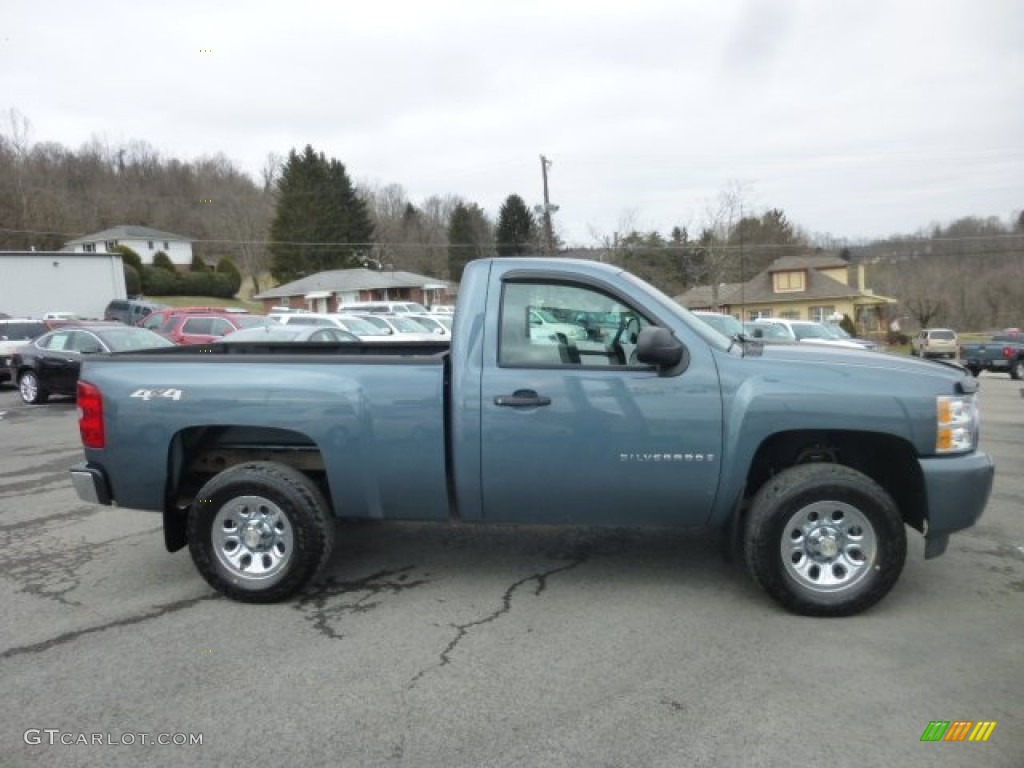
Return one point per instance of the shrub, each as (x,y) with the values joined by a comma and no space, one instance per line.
(132,280)
(157,281)
(198,265)
(128,257)
(162,261)
(227,267)
(847,325)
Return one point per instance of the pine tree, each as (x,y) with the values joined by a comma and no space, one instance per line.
(461,241)
(516,233)
(320,223)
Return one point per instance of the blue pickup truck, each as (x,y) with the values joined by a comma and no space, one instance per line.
(810,461)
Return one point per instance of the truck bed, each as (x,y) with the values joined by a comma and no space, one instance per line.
(342,410)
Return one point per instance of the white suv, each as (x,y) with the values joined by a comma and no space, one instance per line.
(934,342)
(809,332)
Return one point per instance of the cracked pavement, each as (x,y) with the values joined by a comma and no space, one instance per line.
(425,645)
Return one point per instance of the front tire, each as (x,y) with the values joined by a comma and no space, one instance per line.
(259,532)
(32,393)
(824,540)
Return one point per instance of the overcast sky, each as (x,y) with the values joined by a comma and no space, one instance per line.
(859,119)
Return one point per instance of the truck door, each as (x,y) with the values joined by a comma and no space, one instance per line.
(574,430)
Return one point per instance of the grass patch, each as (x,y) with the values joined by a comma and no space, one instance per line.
(207,301)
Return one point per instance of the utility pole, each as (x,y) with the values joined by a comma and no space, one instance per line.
(549,239)
(743,271)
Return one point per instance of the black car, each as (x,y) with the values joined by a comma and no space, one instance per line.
(50,364)
(15,333)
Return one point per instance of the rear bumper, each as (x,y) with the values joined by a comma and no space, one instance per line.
(91,484)
(998,364)
(957,489)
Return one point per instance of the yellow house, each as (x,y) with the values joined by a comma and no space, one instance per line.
(819,288)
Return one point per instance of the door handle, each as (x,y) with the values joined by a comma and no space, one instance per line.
(522,398)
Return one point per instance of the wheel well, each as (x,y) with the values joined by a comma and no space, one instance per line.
(199,453)
(889,461)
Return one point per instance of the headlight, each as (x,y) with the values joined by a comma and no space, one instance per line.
(957,423)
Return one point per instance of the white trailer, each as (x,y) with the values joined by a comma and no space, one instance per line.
(35,282)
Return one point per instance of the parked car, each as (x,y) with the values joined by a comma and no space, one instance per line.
(357,326)
(200,325)
(1003,353)
(295,333)
(158,318)
(398,328)
(433,323)
(15,333)
(934,342)
(545,327)
(50,365)
(129,311)
(810,332)
(727,325)
(768,333)
(842,335)
(385,307)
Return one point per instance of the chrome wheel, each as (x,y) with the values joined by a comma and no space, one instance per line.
(28,387)
(828,546)
(252,540)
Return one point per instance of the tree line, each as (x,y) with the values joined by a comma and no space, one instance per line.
(304,214)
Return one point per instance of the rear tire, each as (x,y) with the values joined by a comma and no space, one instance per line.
(259,532)
(31,391)
(974,370)
(824,540)
(1017,369)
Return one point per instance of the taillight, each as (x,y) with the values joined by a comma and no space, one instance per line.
(90,416)
(1008,353)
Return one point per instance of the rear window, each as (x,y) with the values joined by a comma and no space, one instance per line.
(21,330)
(946,335)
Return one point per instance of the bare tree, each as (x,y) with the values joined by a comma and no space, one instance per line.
(715,260)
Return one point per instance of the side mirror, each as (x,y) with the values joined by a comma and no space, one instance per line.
(657,346)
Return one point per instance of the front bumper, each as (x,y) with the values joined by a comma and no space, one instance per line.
(957,489)
(91,484)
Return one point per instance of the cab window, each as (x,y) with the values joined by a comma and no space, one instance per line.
(563,324)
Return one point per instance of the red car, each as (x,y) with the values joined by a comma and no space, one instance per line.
(199,325)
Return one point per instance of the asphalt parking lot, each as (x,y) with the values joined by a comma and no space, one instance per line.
(456,646)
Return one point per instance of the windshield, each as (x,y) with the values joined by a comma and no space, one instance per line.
(381,325)
(811,331)
(363,326)
(767,331)
(544,315)
(123,339)
(836,332)
(406,325)
(428,324)
(724,324)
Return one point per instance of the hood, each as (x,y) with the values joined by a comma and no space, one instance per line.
(832,355)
